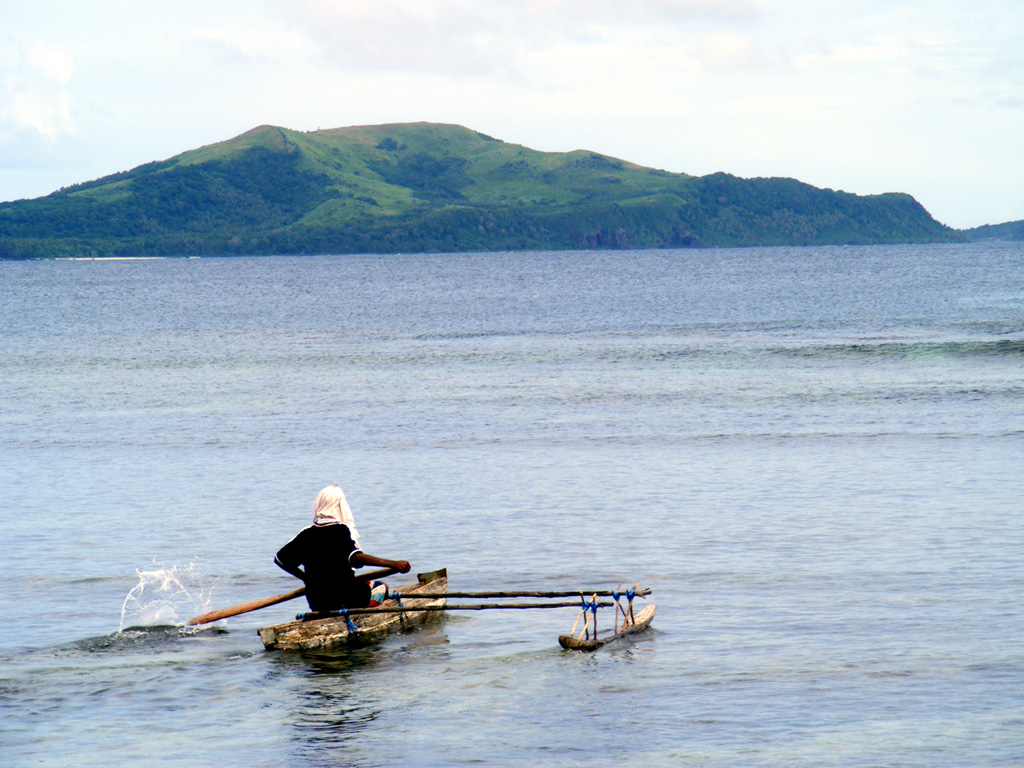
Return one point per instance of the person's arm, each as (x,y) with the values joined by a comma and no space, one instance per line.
(360,558)
(285,561)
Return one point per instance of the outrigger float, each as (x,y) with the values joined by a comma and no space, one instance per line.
(589,640)
(415,604)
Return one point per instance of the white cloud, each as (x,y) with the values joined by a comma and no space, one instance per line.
(470,37)
(36,91)
(46,113)
(249,45)
(56,66)
(728,50)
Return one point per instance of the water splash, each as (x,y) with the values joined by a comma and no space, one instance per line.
(163,597)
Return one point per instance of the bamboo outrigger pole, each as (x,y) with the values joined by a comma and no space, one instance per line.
(256,605)
(537,593)
(434,596)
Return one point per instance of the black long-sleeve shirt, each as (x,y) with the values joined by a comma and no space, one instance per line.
(321,555)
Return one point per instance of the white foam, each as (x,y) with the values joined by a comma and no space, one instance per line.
(163,596)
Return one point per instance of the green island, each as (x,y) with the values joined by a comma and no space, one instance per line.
(426,187)
(1011,230)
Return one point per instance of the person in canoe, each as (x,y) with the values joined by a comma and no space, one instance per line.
(325,554)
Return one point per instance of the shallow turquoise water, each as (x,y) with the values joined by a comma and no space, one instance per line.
(812,455)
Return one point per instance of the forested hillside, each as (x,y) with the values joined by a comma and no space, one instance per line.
(430,187)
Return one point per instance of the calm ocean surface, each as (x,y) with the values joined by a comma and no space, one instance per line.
(814,456)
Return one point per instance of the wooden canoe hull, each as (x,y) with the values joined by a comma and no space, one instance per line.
(642,621)
(322,634)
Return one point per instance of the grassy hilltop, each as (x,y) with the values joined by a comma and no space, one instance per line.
(430,187)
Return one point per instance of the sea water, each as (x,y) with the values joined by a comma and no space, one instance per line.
(813,456)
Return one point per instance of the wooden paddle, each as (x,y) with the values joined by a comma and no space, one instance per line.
(255,605)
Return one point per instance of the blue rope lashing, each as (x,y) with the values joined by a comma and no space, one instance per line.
(397,597)
(588,605)
(352,628)
(630,594)
(615,594)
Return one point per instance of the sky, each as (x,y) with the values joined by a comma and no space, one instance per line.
(866,96)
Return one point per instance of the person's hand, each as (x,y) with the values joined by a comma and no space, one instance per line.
(403,566)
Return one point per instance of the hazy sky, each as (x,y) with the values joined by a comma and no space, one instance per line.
(917,96)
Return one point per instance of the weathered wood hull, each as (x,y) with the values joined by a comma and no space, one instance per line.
(642,621)
(321,634)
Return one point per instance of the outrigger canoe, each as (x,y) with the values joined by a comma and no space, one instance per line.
(324,633)
(629,627)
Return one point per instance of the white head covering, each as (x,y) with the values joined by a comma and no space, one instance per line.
(331,508)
